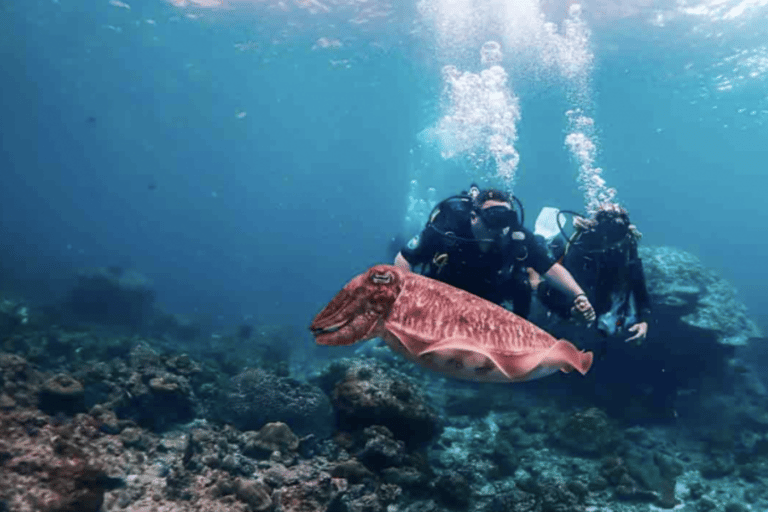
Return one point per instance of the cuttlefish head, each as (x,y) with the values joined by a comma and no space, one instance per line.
(356,311)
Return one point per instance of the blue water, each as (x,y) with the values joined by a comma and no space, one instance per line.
(123,142)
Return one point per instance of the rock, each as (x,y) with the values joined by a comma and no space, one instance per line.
(406,477)
(254,493)
(53,468)
(256,397)
(381,449)
(20,380)
(362,498)
(6,402)
(705,504)
(157,399)
(133,437)
(655,472)
(453,490)
(183,365)
(587,432)
(164,385)
(313,495)
(736,507)
(62,393)
(144,358)
(695,316)
(111,296)
(13,315)
(369,395)
(273,437)
(679,282)
(352,470)
(108,422)
(718,465)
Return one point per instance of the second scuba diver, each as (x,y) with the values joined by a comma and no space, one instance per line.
(602,255)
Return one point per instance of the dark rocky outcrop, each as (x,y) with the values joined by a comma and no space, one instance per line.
(256,397)
(697,322)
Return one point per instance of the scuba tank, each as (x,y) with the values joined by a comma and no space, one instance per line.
(550,228)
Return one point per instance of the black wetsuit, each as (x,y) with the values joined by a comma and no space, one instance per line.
(611,275)
(446,250)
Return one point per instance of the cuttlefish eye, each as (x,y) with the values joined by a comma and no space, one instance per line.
(385,278)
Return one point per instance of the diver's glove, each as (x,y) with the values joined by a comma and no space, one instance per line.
(582,305)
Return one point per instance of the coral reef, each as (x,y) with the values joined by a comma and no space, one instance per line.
(367,394)
(681,285)
(695,326)
(255,397)
(111,296)
(13,314)
(53,468)
(97,421)
(589,433)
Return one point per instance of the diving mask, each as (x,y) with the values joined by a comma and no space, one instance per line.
(498,217)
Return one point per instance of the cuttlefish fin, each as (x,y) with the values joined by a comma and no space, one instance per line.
(412,344)
(570,357)
(467,345)
(521,366)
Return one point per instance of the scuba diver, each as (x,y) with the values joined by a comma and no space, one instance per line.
(639,384)
(475,241)
(602,256)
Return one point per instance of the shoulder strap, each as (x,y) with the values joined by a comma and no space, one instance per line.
(450,218)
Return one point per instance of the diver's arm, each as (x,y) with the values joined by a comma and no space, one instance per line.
(561,279)
(417,252)
(639,288)
(559,276)
(401,262)
(642,299)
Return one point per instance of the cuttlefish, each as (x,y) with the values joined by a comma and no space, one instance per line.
(443,328)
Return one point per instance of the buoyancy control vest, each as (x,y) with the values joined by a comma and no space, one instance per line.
(450,221)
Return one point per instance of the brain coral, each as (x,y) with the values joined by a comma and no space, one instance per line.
(256,397)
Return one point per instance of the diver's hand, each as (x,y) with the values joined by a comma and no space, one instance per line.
(582,305)
(401,262)
(582,223)
(534,279)
(641,331)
